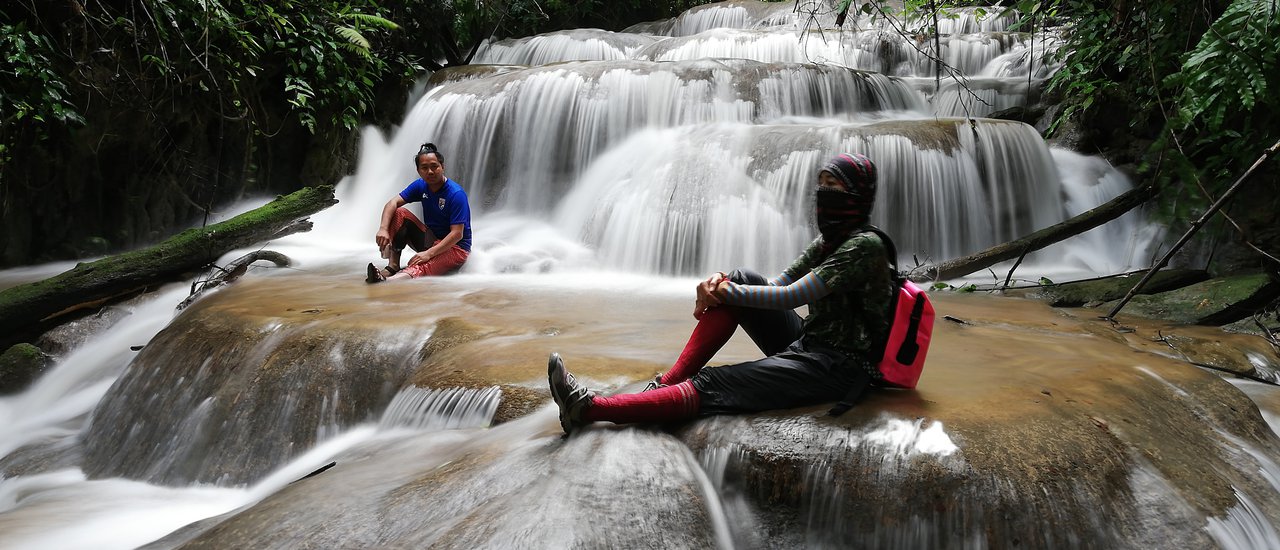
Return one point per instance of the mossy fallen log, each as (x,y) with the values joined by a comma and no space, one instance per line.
(29,309)
(1109,288)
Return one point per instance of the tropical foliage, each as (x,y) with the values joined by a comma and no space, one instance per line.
(33,93)
(139,115)
(1200,84)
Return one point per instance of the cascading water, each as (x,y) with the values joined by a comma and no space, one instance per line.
(654,162)
(670,150)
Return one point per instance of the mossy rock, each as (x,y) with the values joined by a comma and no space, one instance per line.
(1215,302)
(1261,325)
(1095,291)
(19,365)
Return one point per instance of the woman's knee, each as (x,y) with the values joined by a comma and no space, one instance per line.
(745,276)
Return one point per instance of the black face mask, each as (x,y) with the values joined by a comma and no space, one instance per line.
(839,214)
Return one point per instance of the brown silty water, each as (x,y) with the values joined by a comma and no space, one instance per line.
(1031,425)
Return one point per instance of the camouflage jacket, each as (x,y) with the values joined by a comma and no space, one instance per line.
(854,318)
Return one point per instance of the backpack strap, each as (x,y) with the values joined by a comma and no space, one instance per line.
(859,388)
(890,250)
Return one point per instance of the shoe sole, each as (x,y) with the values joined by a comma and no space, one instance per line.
(555,369)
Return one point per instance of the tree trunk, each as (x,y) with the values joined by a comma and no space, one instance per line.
(30,309)
(1113,209)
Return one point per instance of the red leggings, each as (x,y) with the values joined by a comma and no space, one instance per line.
(679,400)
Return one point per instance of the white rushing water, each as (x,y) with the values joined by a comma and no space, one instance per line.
(664,156)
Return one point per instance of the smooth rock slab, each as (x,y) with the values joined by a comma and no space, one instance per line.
(1031,428)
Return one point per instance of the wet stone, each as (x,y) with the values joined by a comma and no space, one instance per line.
(1031,428)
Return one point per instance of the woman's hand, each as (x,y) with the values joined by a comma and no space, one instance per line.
(705,297)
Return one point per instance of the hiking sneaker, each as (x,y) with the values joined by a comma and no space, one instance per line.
(654,384)
(571,397)
(372,275)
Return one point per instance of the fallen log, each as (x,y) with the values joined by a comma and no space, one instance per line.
(29,309)
(1111,210)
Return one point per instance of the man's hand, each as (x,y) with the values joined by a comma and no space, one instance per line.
(420,257)
(383,238)
(705,294)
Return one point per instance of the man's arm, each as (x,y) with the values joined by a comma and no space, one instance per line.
(455,235)
(383,237)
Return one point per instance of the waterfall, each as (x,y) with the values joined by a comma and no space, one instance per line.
(693,148)
(668,150)
(570,45)
(446,409)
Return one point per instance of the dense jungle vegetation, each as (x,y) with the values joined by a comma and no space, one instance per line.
(123,121)
(1187,93)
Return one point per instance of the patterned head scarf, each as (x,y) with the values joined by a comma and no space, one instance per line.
(840,213)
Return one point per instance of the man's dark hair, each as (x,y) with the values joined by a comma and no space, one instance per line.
(428,149)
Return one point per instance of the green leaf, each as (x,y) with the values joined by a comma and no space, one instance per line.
(373,20)
(354,37)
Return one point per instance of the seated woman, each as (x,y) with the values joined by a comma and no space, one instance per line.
(843,276)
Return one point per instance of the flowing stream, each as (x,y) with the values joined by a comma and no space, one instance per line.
(597,164)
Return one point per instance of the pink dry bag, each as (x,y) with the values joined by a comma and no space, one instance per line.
(908,337)
(910,328)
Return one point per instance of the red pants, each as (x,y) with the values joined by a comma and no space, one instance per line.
(447,262)
(407,229)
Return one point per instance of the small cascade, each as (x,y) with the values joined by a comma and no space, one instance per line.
(817,482)
(1087,182)
(556,47)
(879,50)
(53,409)
(441,409)
(1244,526)
(530,132)
(723,470)
(241,396)
(974,20)
(958,188)
(737,14)
(823,508)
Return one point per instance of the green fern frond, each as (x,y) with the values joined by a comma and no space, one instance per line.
(353,36)
(1255,83)
(372,20)
(356,49)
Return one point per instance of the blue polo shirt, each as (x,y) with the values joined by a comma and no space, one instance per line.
(443,209)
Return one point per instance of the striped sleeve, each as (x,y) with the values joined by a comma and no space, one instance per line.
(804,291)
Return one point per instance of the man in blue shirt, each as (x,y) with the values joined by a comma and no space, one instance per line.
(442,241)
